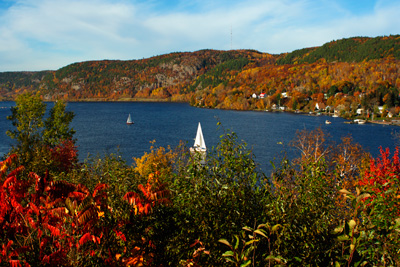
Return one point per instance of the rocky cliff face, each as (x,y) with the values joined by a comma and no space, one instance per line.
(115,79)
(123,78)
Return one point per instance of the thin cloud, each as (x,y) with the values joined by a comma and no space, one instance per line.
(47,34)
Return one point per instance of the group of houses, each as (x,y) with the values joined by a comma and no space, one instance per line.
(254,95)
(322,107)
(262,95)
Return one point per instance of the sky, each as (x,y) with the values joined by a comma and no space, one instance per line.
(49,34)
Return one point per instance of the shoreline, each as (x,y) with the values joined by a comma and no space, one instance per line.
(394,122)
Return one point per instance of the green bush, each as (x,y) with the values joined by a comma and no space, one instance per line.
(216,200)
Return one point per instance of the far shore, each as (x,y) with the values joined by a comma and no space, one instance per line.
(126,99)
(395,122)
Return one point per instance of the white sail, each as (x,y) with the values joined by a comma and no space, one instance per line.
(199,148)
(129,120)
(199,143)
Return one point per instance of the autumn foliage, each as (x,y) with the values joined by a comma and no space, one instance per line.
(54,222)
(343,74)
(152,194)
(383,175)
(45,220)
(65,155)
(372,234)
(327,207)
(382,170)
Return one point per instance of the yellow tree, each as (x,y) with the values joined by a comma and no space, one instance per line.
(157,160)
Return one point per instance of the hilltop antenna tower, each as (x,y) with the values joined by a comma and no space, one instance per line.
(231,36)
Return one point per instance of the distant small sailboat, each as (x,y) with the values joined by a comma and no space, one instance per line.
(129,120)
(199,145)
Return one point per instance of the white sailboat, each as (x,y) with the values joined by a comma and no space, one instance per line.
(199,145)
(129,120)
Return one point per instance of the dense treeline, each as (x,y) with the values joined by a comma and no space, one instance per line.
(355,49)
(332,206)
(353,77)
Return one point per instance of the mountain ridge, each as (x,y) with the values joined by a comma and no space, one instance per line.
(362,66)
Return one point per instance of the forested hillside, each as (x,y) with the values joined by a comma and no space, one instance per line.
(12,83)
(347,50)
(161,77)
(345,75)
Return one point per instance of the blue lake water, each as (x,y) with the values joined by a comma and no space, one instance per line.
(101,128)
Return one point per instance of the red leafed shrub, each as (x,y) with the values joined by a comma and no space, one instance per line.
(152,194)
(12,213)
(64,155)
(382,170)
(12,193)
(371,237)
(383,174)
(49,222)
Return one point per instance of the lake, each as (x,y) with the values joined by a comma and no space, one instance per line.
(101,128)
